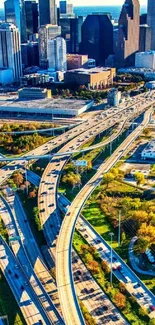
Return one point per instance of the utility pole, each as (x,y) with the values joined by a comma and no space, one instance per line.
(119,228)
(111,234)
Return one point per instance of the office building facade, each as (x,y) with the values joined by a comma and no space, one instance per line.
(15,14)
(76,61)
(47,12)
(66,8)
(95,42)
(46,32)
(76,33)
(151,21)
(145,60)
(31,14)
(10,49)
(144,38)
(56,54)
(128,34)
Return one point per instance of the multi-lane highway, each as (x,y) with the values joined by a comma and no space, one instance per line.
(47,198)
(25,250)
(64,242)
(23,293)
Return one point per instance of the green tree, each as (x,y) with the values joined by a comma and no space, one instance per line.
(108,178)
(152,321)
(140,179)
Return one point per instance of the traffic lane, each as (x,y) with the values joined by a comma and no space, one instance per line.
(16,280)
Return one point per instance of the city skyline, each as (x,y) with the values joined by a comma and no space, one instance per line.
(97,3)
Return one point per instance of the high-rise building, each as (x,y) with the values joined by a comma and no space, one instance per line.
(15,14)
(56,54)
(47,12)
(144,38)
(128,34)
(97,37)
(46,32)
(66,8)
(10,49)
(151,21)
(76,33)
(31,13)
(30,54)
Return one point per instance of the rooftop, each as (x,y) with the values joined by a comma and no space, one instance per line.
(89,71)
(150,147)
(46,103)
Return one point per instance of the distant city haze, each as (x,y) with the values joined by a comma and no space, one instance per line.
(92,2)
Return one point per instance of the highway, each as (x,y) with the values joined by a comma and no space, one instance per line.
(96,302)
(24,249)
(64,243)
(24,294)
(47,197)
(7,170)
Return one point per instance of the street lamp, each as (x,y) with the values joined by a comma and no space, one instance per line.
(111,234)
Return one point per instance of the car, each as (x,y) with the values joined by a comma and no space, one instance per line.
(85,236)
(22,288)
(136,285)
(91,290)
(152,308)
(51,205)
(25,220)
(51,225)
(42,210)
(9,271)
(16,276)
(16,266)
(128,280)
(98,241)
(78,272)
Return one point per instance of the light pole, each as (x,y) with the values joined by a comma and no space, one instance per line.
(119,228)
(111,234)
(26,179)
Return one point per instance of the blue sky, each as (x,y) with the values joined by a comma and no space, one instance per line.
(92,2)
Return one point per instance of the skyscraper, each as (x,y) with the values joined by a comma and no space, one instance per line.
(66,8)
(128,34)
(10,49)
(31,13)
(97,37)
(15,14)
(151,21)
(46,33)
(144,38)
(76,33)
(47,12)
(56,54)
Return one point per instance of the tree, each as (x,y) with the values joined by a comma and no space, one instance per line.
(141,245)
(32,194)
(105,267)
(120,300)
(93,266)
(142,311)
(140,179)
(108,178)
(123,237)
(152,321)
(18,178)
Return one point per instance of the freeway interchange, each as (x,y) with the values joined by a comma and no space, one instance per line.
(66,310)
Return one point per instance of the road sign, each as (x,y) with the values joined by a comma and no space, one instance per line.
(80,163)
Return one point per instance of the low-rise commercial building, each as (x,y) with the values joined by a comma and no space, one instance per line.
(150,85)
(35,79)
(113,97)
(76,61)
(48,108)
(95,78)
(34,93)
(149,151)
(145,60)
